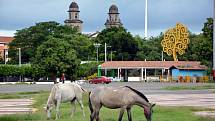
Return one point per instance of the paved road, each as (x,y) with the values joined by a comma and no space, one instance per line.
(146,88)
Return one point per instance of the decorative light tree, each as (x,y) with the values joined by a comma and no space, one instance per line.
(175,41)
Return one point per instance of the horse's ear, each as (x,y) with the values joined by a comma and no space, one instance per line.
(153,105)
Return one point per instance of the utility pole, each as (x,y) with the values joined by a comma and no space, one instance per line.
(146,18)
(97,45)
(20,79)
(214,43)
(20,57)
(105,52)
(5,57)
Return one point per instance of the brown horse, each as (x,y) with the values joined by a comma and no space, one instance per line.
(118,97)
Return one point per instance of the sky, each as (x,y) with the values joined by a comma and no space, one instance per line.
(162,14)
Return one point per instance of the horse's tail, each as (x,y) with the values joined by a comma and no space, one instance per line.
(90,104)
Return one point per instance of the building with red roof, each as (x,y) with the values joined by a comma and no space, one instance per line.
(4,41)
(154,70)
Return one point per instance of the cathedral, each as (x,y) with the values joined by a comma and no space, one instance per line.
(74,20)
(113,19)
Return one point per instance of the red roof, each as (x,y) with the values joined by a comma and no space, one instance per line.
(193,65)
(4,39)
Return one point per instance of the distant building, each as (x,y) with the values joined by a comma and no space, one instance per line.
(74,20)
(188,71)
(113,19)
(4,41)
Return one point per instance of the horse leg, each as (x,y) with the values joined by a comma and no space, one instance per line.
(73,108)
(82,107)
(97,114)
(92,115)
(129,114)
(121,114)
(57,109)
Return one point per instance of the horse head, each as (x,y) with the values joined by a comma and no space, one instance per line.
(148,111)
(48,111)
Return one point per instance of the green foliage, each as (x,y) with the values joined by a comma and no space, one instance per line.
(15,71)
(87,69)
(190,88)
(81,43)
(208,29)
(120,41)
(150,49)
(29,39)
(56,56)
(52,48)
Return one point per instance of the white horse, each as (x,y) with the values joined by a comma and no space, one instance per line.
(63,93)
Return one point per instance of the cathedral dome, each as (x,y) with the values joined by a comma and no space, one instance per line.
(73,5)
(113,9)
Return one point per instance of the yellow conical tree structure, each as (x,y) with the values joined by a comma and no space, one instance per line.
(175,41)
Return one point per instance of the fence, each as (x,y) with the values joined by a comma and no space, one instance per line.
(187,79)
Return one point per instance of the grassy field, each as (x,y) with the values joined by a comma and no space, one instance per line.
(190,87)
(160,113)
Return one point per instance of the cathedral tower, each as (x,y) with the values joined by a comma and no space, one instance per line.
(74,20)
(113,20)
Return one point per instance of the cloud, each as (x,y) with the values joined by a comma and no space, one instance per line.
(162,14)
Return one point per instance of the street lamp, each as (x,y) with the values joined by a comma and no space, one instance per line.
(20,79)
(20,59)
(5,56)
(97,45)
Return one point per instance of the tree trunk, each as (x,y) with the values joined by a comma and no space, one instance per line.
(53,77)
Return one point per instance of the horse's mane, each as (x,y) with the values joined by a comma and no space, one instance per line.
(52,94)
(138,93)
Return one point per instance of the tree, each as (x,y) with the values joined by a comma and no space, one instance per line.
(29,39)
(208,29)
(150,49)
(81,43)
(120,41)
(56,56)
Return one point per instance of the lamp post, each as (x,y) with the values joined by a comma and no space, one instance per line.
(105,52)
(214,43)
(146,24)
(97,45)
(20,79)
(20,57)
(5,56)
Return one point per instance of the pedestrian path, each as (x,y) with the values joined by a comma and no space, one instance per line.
(197,100)
(15,106)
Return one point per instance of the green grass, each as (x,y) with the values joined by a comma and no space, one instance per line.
(160,113)
(190,87)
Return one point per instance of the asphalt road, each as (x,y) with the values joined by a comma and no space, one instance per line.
(146,88)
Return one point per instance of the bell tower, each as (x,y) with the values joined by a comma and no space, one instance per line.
(74,20)
(113,17)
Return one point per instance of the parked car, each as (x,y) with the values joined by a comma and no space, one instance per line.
(101,79)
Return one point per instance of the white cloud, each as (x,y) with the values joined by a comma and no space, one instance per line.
(9,33)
